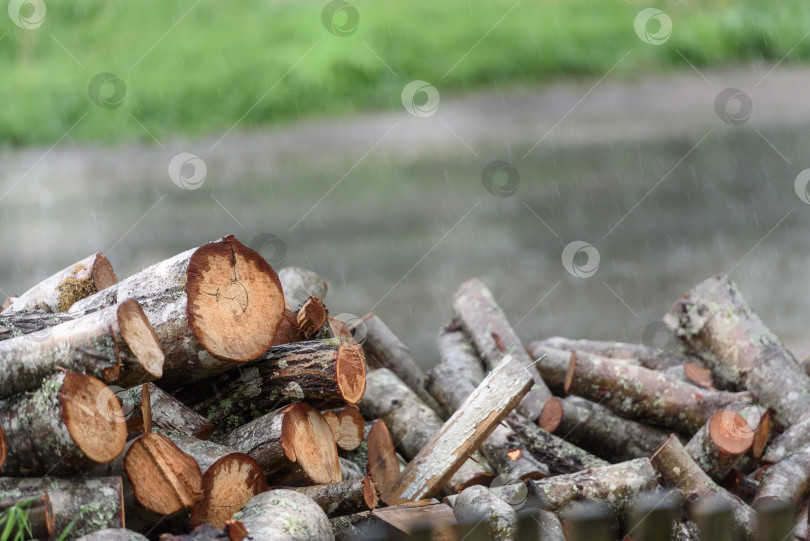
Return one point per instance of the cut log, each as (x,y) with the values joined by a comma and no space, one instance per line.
(3,447)
(325,373)
(560,456)
(295,438)
(617,485)
(14,324)
(287,331)
(229,479)
(494,338)
(211,307)
(600,431)
(347,427)
(645,356)
(406,521)
(345,497)
(169,416)
(234,531)
(801,529)
(715,323)
(796,437)
(60,291)
(38,513)
(92,503)
(337,328)
(676,469)
(478,504)
(72,422)
(300,284)
(515,494)
(786,481)
(165,480)
(412,425)
(383,464)
(113,534)
(452,381)
(538,524)
(116,345)
(311,318)
(633,391)
(446,451)
(718,446)
(285,515)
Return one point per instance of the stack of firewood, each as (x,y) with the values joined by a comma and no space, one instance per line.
(210,397)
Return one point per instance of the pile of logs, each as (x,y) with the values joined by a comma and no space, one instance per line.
(211,397)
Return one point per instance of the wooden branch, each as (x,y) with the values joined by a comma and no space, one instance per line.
(93,503)
(325,373)
(60,291)
(643,355)
(311,318)
(116,345)
(598,430)
(497,395)
(113,534)
(796,437)
(300,284)
(676,469)
(169,416)
(284,514)
(398,522)
(72,422)
(786,481)
(633,391)
(293,438)
(38,513)
(412,424)
(347,427)
(478,504)
(211,307)
(345,497)
(617,485)
(384,350)
(715,323)
(14,324)
(718,446)
(494,338)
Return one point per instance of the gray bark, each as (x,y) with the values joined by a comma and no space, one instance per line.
(477,503)
(284,515)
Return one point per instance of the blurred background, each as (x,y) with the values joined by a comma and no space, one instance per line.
(590,160)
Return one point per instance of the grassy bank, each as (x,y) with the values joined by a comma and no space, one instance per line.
(200,67)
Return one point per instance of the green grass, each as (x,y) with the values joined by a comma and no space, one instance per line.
(221,58)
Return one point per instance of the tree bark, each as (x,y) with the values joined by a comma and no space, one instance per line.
(169,416)
(796,437)
(325,373)
(350,471)
(38,513)
(617,485)
(645,356)
(212,308)
(633,391)
(452,381)
(561,456)
(412,424)
(14,324)
(300,284)
(343,498)
(71,423)
(284,515)
(677,470)
(475,419)
(60,291)
(477,503)
(347,427)
(113,534)
(293,439)
(715,323)
(311,318)
(384,350)
(718,446)
(787,480)
(494,338)
(600,431)
(229,479)
(116,345)
(93,503)
(539,525)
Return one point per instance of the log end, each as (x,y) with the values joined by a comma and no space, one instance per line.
(698,375)
(552,414)
(351,372)
(236,530)
(569,374)
(370,494)
(761,435)
(93,417)
(351,426)
(730,432)
(3,448)
(383,464)
(311,317)
(227,485)
(287,331)
(314,446)
(235,300)
(140,336)
(103,273)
